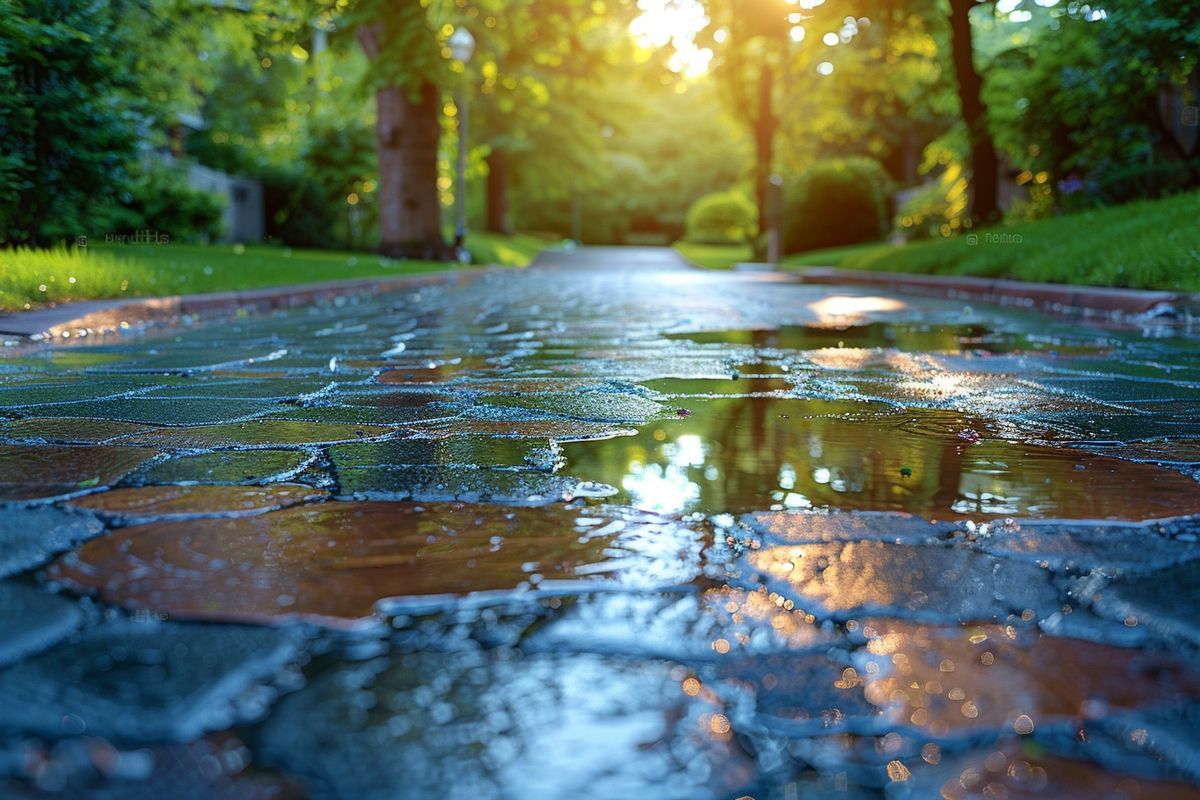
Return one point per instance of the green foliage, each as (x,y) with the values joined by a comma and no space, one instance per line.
(1079,101)
(65,127)
(297,208)
(890,93)
(925,211)
(722,218)
(938,208)
(1150,244)
(157,198)
(340,157)
(836,202)
(643,170)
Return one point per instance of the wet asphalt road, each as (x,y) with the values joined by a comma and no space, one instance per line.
(607,527)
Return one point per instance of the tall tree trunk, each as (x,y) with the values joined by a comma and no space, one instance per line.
(985,167)
(407,132)
(498,219)
(765,126)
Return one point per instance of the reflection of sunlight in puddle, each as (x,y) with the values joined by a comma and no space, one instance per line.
(988,489)
(741,454)
(988,503)
(937,385)
(667,488)
(846,310)
(792,500)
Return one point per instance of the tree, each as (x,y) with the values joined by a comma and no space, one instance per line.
(886,96)
(985,166)
(523,46)
(752,46)
(533,58)
(406,64)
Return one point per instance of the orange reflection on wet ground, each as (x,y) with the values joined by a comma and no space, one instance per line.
(1016,772)
(944,680)
(334,561)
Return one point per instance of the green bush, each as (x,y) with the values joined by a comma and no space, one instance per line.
(67,117)
(721,218)
(925,210)
(838,202)
(158,198)
(298,210)
(1125,183)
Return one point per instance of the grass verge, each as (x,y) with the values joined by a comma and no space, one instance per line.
(1151,244)
(31,277)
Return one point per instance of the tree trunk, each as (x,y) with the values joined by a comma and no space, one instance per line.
(407,132)
(498,219)
(985,168)
(765,126)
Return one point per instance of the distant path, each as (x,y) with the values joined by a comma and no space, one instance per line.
(612,258)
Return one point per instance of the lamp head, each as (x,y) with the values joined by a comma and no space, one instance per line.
(462,44)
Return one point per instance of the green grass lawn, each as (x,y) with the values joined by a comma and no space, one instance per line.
(30,278)
(724,256)
(1152,244)
(833,256)
(506,251)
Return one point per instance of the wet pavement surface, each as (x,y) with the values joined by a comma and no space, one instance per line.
(604,528)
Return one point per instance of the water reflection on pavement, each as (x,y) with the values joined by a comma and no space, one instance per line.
(609,532)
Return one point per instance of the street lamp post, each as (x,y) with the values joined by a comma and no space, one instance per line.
(462,47)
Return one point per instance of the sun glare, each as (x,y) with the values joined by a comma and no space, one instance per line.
(674,23)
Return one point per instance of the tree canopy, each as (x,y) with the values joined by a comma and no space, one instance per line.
(605,119)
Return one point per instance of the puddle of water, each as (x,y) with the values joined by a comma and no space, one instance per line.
(845,580)
(736,385)
(759,453)
(215,766)
(476,724)
(913,337)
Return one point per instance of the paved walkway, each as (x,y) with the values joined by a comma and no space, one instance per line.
(597,531)
(612,258)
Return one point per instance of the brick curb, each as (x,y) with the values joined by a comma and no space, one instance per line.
(1051,298)
(98,317)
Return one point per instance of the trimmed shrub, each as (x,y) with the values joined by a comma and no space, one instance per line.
(298,210)
(158,198)
(721,218)
(834,203)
